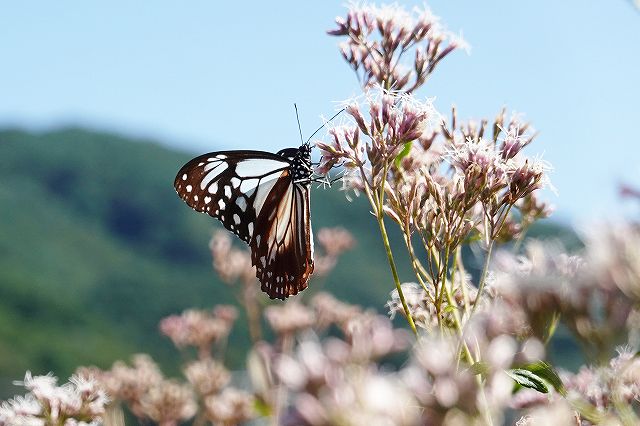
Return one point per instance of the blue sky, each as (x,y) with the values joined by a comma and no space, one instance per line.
(207,75)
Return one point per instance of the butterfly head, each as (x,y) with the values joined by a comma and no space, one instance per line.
(305,151)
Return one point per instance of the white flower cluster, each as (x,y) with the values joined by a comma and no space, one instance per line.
(79,402)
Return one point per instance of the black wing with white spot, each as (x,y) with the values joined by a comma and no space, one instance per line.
(231,186)
(264,199)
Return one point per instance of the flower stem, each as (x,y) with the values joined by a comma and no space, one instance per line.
(444,269)
(377,203)
(418,269)
(520,239)
(463,274)
(456,318)
(458,324)
(394,271)
(483,278)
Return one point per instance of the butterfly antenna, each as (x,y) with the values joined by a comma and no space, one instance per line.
(298,119)
(325,123)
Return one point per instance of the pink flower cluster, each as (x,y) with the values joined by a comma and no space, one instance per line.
(379,39)
(206,395)
(200,329)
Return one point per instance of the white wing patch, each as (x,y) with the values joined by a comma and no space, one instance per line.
(263,191)
(248,185)
(258,167)
(215,168)
(283,216)
(242,203)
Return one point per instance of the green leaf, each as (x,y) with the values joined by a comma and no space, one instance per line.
(528,379)
(553,324)
(405,151)
(548,373)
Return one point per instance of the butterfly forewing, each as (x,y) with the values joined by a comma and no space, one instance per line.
(230,186)
(254,195)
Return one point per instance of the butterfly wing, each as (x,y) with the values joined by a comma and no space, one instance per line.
(253,194)
(231,186)
(283,253)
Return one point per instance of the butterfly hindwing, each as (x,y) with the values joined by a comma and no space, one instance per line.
(283,256)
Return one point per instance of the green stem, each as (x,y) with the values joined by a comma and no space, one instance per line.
(458,324)
(377,203)
(417,267)
(456,318)
(444,268)
(502,218)
(520,239)
(483,279)
(394,271)
(463,274)
(434,258)
(387,247)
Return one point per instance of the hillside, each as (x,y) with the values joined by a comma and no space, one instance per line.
(95,248)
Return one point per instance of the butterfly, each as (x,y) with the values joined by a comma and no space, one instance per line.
(263,198)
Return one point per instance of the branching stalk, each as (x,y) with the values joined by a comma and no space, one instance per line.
(394,272)
(483,278)
(377,201)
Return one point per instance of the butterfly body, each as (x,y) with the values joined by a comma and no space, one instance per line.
(263,198)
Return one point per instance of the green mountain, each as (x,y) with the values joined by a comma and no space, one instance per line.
(95,248)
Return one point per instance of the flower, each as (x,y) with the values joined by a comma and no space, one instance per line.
(344,148)
(372,336)
(537,286)
(168,402)
(329,310)
(393,120)
(592,293)
(559,412)
(231,407)
(331,388)
(334,242)
(128,384)
(230,263)
(613,253)
(420,305)
(80,401)
(607,387)
(207,376)
(376,56)
(289,317)
(228,313)
(196,328)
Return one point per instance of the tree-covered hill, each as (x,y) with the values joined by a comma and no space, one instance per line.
(95,248)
